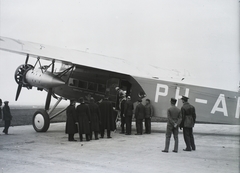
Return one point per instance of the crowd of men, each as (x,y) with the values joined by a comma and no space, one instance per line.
(89,119)
(96,118)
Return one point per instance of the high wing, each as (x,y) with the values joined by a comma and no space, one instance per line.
(68,56)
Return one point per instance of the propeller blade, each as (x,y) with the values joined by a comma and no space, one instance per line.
(48,100)
(18,91)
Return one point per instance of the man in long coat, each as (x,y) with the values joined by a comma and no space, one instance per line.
(148,115)
(123,118)
(188,121)
(174,120)
(128,113)
(7,117)
(95,118)
(71,126)
(83,115)
(139,115)
(106,110)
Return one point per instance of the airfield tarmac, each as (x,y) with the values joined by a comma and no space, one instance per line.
(24,150)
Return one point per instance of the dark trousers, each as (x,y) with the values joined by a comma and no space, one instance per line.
(95,134)
(81,137)
(148,125)
(123,122)
(170,130)
(108,133)
(70,137)
(128,124)
(7,124)
(139,125)
(188,138)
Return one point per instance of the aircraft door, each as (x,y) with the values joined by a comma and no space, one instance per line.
(126,86)
(111,91)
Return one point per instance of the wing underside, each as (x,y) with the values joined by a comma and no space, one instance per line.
(68,56)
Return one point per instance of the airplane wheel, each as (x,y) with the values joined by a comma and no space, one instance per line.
(41,121)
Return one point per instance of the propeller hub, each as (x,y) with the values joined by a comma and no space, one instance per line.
(20,74)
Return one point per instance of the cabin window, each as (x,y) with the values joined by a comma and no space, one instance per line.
(82,84)
(92,86)
(73,82)
(101,88)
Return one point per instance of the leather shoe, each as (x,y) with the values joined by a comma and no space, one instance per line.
(186,149)
(174,151)
(165,151)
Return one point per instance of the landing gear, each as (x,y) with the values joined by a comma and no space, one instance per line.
(41,118)
(41,121)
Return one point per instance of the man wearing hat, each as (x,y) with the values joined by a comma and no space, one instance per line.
(174,120)
(128,112)
(7,117)
(188,121)
(83,115)
(107,122)
(148,116)
(139,115)
(123,121)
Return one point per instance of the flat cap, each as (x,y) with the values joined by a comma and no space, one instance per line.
(184,98)
(173,100)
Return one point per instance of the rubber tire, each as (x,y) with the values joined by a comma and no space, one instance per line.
(41,121)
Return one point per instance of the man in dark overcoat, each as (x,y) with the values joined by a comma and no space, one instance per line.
(107,121)
(83,115)
(128,112)
(7,117)
(123,118)
(71,126)
(139,116)
(95,118)
(174,120)
(188,121)
(148,115)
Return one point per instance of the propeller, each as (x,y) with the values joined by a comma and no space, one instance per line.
(18,91)
(20,76)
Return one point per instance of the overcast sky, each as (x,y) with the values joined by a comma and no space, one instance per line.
(198,39)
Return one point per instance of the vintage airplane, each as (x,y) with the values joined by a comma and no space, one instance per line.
(82,74)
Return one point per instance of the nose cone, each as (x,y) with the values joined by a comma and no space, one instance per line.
(56,82)
(43,80)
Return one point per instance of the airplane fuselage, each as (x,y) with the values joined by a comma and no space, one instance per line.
(212,105)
